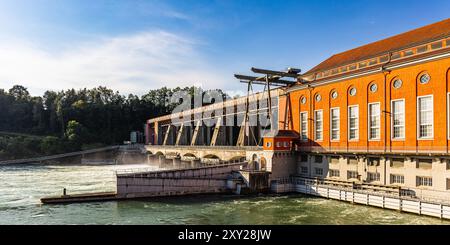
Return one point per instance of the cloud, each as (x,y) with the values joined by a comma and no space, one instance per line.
(130,64)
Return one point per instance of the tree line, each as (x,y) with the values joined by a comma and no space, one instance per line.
(71,119)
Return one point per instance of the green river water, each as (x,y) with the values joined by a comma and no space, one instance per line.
(21,187)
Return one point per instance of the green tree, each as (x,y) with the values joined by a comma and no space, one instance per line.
(76,133)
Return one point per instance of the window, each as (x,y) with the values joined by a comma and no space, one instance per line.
(397,83)
(373,176)
(353,122)
(318,127)
(304,170)
(334,173)
(422,49)
(318,159)
(334,123)
(362,64)
(424,181)
(397,162)
(286,144)
(425,116)
(352,91)
(374,121)
(448,115)
(334,94)
(303,100)
(424,163)
(334,160)
(372,161)
(318,97)
(398,119)
(319,171)
(303,158)
(278,144)
(384,59)
(397,179)
(352,161)
(268,144)
(395,55)
(424,78)
(352,174)
(436,45)
(408,53)
(304,125)
(373,88)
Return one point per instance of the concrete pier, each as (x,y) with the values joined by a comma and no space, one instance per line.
(162,161)
(176,162)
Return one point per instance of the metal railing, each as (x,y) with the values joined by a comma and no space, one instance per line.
(206,147)
(437,197)
(166,170)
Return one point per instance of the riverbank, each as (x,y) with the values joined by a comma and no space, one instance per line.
(21,146)
(22,187)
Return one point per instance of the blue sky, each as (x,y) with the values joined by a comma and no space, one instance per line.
(134,46)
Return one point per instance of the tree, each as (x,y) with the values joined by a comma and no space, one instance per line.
(51,145)
(76,133)
(19,93)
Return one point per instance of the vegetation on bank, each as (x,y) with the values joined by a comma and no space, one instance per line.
(72,120)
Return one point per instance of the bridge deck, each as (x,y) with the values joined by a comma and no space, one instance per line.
(58,156)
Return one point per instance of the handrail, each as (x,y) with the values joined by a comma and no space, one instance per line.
(402,193)
(206,147)
(159,171)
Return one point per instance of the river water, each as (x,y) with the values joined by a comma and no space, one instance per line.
(22,186)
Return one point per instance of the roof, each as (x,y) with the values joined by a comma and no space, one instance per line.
(282,134)
(414,37)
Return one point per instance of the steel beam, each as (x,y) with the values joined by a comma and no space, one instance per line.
(194,136)
(216,131)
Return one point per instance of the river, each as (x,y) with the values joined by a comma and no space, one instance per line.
(21,187)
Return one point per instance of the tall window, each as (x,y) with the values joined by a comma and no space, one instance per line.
(398,119)
(304,125)
(425,116)
(374,121)
(424,181)
(448,104)
(353,126)
(373,176)
(334,123)
(397,179)
(318,125)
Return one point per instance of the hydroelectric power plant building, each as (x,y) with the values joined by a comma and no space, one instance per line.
(375,118)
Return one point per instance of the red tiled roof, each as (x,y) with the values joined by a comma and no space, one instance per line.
(414,37)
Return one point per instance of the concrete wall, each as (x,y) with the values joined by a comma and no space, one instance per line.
(175,182)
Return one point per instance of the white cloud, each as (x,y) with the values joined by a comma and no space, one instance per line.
(130,64)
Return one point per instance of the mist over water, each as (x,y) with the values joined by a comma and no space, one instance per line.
(22,186)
